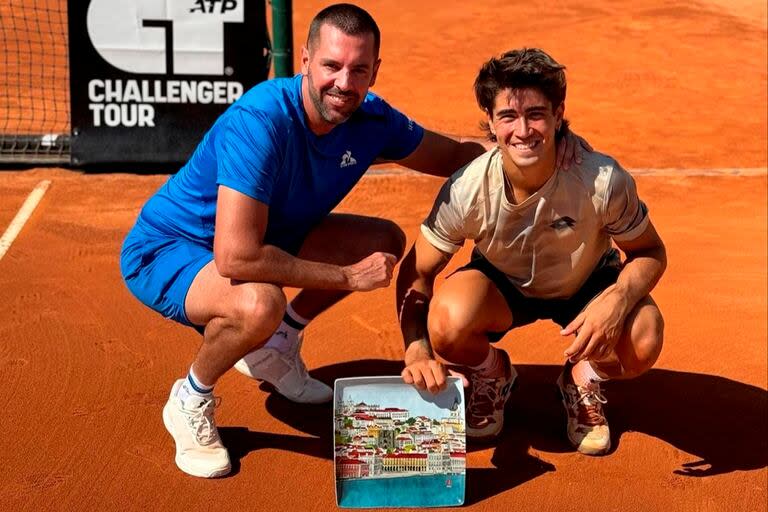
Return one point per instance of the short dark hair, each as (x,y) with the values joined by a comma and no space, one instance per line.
(520,69)
(350,19)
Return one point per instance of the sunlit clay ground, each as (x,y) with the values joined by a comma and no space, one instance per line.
(676,91)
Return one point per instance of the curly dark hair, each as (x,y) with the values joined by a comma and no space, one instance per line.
(518,69)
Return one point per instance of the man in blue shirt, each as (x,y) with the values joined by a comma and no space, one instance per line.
(250,213)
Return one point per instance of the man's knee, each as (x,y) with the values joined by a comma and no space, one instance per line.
(647,339)
(259,310)
(447,325)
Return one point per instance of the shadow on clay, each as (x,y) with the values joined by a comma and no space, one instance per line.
(720,421)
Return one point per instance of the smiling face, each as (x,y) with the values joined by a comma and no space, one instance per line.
(339,69)
(524,124)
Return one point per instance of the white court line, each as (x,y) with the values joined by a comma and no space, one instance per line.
(673,172)
(22,217)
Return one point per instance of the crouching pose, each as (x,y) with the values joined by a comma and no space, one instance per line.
(543,250)
(251,213)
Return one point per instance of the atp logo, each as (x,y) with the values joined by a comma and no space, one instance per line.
(163,37)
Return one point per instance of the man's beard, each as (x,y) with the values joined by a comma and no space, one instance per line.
(325,112)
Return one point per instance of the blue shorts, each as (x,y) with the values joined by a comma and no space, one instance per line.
(159,270)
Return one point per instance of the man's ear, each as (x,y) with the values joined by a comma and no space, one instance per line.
(489,116)
(559,113)
(375,72)
(304,60)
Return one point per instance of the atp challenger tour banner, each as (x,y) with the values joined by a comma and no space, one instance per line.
(149,77)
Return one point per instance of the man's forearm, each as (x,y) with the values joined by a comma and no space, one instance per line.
(415,283)
(412,297)
(468,149)
(413,313)
(441,155)
(270,264)
(640,275)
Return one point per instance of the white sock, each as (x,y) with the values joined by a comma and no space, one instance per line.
(286,336)
(283,339)
(192,387)
(584,374)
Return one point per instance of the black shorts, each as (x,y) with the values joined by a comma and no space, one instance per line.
(526,310)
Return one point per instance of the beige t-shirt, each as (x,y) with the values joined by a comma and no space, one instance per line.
(549,244)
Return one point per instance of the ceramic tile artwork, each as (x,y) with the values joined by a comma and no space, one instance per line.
(396,446)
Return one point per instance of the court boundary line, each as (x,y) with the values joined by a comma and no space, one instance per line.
(22,216)
(671,171)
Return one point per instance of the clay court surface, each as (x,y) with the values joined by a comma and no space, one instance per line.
(675,90)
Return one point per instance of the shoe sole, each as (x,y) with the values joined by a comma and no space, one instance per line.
(219,472)
(489,438)
(242,367)
(575,444)
(594,453)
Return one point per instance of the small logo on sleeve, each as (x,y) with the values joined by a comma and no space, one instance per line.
(347,159)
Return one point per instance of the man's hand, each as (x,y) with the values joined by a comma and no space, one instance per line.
(597,328)
(421,368)
(426,374)
(374,271)
(570,149)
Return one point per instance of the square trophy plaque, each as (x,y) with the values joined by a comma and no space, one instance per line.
(396,446)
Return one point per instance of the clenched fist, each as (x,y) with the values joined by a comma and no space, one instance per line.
(374,271)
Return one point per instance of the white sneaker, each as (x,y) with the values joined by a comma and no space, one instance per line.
(199,451)
(588,429)
(286,372)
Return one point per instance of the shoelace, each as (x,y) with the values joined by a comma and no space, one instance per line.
(589,407)
(200,421)
(483,396)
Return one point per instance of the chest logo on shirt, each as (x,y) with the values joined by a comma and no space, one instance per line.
(562,223)
(347,159)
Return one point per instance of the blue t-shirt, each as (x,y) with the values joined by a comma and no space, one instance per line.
(261,146)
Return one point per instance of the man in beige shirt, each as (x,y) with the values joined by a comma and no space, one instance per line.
(543,250)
